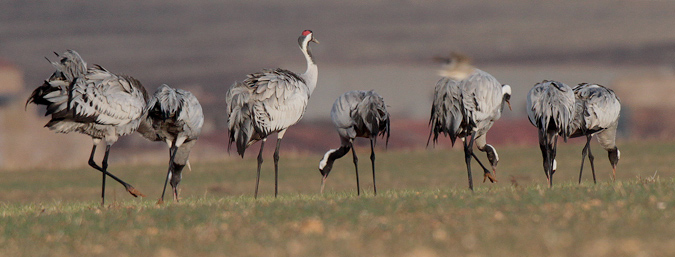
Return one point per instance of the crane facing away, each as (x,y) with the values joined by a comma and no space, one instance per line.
(270,101)
(176,118)
(94,102)
(596,113)
(467,102)
(550,108)
(356,114)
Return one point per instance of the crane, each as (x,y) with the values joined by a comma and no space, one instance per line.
(356,114)
(176,118)
(596,112)
(550,108)
(467,102)
(270,101)
(94,102)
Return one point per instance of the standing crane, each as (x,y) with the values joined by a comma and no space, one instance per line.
(356,114)
(176,118)
(467,102)
(94,102)
(550,108)
(270,101)
(596,113)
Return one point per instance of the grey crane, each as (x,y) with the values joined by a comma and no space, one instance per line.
(270,101)
(356,114)
(94,102)
(550,108)
(176,118)
(467,102)
(596,112)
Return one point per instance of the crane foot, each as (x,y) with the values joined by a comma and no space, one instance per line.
(488,175)
(133,191)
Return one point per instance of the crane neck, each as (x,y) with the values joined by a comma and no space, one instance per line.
(146,130)
(312,73)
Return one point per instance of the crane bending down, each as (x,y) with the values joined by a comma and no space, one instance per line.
(176,118)
(270,101)
(596,113)
(550,108)
(356,114)
(94,102)
(467,102)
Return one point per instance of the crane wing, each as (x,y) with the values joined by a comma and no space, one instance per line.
(191,114)
(371,113)
(106,98)
(446,110)
(177,111)
(601,106)
(279,98)
(482,97)
(551,101)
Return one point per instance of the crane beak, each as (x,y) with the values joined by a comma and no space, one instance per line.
(509,104)
(314,40)
(323,182)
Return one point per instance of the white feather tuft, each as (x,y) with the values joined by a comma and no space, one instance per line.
(506,89)
(324,161)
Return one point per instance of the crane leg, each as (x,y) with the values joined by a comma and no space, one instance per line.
(260,161)
(172,154)
(356,168)
(488,174)
(133,191)
(591,158)
(583,156)
(467,158)
(104,165)
(276,167)
(372,162)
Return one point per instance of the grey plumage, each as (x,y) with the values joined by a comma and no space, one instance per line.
(597,111)
(550,108)
(94,102)
(467,102)
(356,114)
(270,101)
(176,118)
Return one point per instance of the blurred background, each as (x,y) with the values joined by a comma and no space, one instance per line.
(204,46)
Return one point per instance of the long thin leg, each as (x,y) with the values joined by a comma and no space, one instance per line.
(276,167)
(487,172)
(103,186)
(133,191)
(372,161)
(467,158)
(172,154)
(260,161)
(356,168)
(591,158)
(104,165)
(583,157)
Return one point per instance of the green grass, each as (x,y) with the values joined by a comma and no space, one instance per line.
(423,208)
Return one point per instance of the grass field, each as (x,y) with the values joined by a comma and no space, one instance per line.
(423,208)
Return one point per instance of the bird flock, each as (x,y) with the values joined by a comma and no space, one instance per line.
(466,103)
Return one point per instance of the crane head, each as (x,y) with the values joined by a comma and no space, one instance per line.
(506,92)
(614,155)
(493,157)
(307,35)
(325,165)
